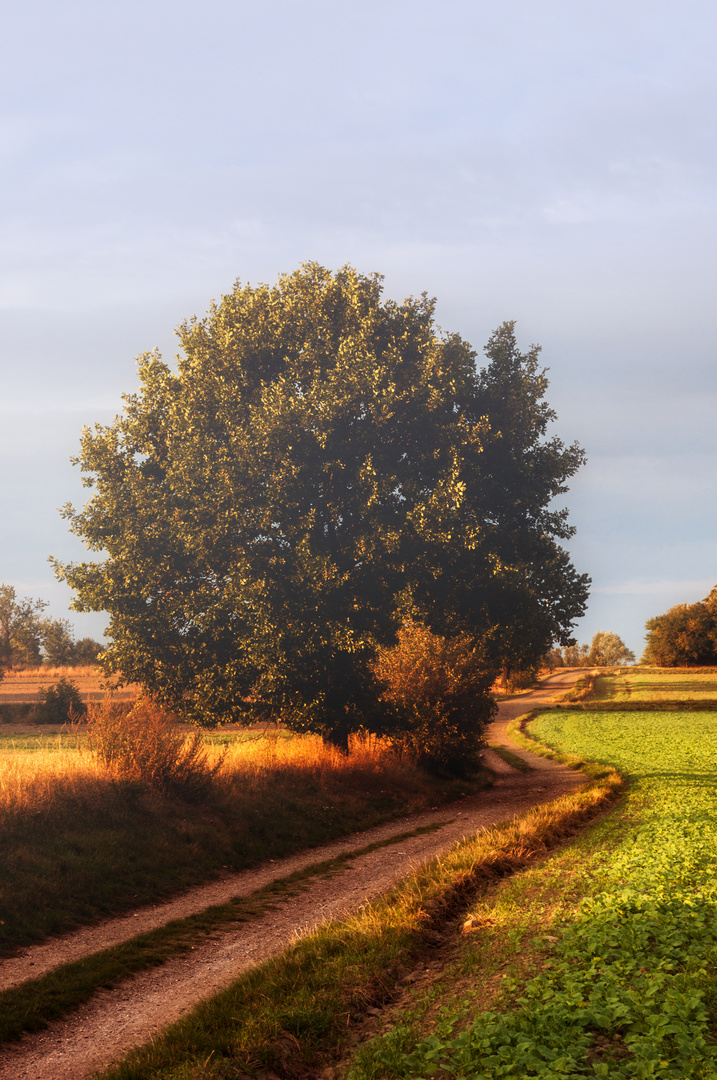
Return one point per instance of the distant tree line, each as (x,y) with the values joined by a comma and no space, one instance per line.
(684,635)
(28,639)
(605,650)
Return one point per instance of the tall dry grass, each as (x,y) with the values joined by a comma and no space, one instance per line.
(46,672)
(80,840)
(32,779)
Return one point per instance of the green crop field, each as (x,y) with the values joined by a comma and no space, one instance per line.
(605,959)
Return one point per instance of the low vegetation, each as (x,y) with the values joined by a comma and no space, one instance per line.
(80,840)
(143,744)
(654,685)
(604,963)
(439,688)
(310,993)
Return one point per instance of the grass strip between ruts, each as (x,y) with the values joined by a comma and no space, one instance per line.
(514,760)
(295,1009)
(33,1004)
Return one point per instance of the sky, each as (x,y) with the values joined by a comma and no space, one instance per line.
(552,163)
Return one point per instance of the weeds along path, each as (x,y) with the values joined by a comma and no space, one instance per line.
(131,1013)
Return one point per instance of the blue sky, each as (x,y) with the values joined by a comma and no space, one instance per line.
(552,163)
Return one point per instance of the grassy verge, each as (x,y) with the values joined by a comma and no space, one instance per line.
(584,688)
(605,964)
(34,1003)
(78,845)
(309,995)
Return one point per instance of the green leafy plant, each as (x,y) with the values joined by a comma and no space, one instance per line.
(626,984)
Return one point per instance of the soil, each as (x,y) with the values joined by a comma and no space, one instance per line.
(116,1020)
(23,687)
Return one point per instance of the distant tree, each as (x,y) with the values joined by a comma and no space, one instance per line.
(609,650)
(60,648)
(710,601)
(20,629)
(86,651)
(321,468)
(576,655)
(58,642)
(684,635)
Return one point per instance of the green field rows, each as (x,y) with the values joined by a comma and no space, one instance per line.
(678,685)
(622,982)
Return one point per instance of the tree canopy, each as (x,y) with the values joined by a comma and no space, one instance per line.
(607,649)
(684,635)
(27,639)
(21,629)
(321,467)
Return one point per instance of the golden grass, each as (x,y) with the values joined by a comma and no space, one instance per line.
(82,840)
(30,782)
(51,674)
(31,777)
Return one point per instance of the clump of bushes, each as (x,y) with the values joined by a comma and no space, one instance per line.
(61,703)
(522,679)
(144,744)
(437,689)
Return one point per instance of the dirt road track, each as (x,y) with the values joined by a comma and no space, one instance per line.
(116,1020)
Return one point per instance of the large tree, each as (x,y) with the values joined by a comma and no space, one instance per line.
(684,635)
(607,649)
(21,629)
(320,468)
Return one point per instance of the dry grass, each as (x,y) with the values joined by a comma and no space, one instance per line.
(22,687)
(35,772)
(31,779)
(44,673)
(79,841)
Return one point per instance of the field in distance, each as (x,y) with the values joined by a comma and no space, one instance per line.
(657,684)
(23,687)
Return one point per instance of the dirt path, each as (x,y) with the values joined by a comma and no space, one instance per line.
(116,1020)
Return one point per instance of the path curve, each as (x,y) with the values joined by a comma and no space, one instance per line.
(114,1021)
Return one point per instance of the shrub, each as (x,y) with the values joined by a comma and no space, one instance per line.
(521,680)
(437,689)
(61,703)
(144,744)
